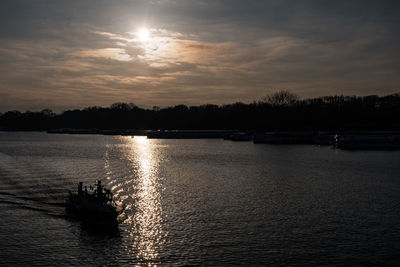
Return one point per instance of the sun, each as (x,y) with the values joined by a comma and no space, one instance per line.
(143,34)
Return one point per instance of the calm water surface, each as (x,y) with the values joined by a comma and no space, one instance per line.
(199,202)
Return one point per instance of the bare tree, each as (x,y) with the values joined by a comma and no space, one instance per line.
(47,112)
(123,106)
(281,98)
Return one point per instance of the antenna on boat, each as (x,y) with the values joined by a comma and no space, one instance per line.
(99,188)
(80,188)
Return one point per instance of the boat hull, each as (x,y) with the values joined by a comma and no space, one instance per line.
(89,211)
(90,215)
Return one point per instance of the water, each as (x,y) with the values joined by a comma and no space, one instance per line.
(199,202)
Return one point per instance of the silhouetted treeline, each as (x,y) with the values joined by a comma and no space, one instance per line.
(279,111)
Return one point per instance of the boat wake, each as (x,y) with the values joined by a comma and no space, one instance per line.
(22,186)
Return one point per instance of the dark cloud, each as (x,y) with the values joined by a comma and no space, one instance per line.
(62,54)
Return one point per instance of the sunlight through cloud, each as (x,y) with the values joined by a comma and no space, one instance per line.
(143,34)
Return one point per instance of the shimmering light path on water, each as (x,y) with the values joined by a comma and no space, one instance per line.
(198,202)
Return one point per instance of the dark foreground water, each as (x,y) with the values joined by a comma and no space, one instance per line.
(199,202)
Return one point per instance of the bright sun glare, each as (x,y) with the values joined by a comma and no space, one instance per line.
(143,34)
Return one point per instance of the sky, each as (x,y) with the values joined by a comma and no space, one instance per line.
(79,53)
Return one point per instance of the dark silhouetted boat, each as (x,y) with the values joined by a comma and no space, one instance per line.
(95,204)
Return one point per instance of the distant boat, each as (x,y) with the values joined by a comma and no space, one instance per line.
(240,136)
(285,137)
(95,204)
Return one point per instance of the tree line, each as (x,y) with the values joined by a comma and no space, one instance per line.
(279,111)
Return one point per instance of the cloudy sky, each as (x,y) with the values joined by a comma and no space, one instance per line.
(74,54)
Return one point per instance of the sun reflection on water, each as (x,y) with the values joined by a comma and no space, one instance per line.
(146,218)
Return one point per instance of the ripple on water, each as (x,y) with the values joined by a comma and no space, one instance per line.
(198,202)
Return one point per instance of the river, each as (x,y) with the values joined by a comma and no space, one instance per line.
(198,202)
